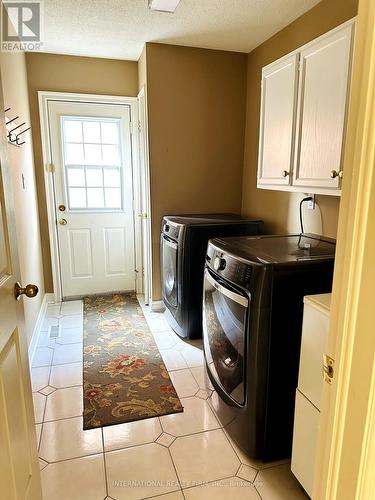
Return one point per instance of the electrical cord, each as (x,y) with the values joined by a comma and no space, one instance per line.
(308,198)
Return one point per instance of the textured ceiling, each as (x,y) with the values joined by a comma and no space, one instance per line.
(119,28)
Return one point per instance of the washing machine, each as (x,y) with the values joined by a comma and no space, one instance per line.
(252,321)
(183,244)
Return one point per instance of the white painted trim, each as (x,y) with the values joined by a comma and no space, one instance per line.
(44,97)
(157,306)
(47,299)
(143,120)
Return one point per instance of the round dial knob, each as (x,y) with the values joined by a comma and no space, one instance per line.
(219,264)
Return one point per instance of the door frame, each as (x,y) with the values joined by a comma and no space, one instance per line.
(44,97)
(146,206)
(345,463)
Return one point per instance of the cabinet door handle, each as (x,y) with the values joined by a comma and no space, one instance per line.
(285,173)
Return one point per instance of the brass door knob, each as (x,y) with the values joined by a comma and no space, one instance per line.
(29,290)
(62,222)
(285,173)
(335,174)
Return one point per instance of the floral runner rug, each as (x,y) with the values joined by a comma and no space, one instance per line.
(124,377)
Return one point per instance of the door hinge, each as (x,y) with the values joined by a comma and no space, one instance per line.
(139,126)
(51,168)
(328,368)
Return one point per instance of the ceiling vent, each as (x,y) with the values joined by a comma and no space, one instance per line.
(163,5)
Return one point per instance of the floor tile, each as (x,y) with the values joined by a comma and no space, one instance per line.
(199,375)
(53,310)
(166,439)
(40,377)
(255,464)
(72,307)
(48,322)
(38,431)
(80,478)
(69,353)
(71,321)
(42,357)
(47,390)
(45,341)
(193,356)
(207,456)
(203,394)
(176,495)
(164,340)
(278,483)
(196,417)
(64,439)
(42,464)
(70,336)
(64,403)
(131,434)
(150,465)
(226,489)
(158,324)
(184,383)
(247,473)
(173,359)
(66,375)
(39,405)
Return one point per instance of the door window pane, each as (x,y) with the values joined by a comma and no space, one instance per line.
(112,197)
(111,155)
(109,132)
(73,130)
(74,153)
(76,177)
(112,177)
(93,154)
(77,198)
(92,162)
(94,177)
(95,198)
(91,132)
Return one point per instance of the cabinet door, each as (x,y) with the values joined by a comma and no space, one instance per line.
(277,121)
(322,102)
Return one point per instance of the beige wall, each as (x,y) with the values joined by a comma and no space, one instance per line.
(13,73)
(279,209)
(196,111)
(70,74)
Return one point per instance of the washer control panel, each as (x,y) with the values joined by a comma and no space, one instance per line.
(228,267)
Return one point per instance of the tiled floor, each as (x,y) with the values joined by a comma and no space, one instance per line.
(175,457)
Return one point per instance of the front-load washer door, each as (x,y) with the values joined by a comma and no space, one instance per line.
(169,271)
(224,327)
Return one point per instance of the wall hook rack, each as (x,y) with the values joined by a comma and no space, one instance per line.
(11,126)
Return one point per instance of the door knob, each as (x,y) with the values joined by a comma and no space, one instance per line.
(335,174)
(29,290)
(285,173)
(62,222)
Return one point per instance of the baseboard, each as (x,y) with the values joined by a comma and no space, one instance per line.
(157,306)
(48,298)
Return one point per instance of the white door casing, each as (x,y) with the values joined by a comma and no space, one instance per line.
(277,121)
(145,212)
(19,467)
(322,105)
(91,151)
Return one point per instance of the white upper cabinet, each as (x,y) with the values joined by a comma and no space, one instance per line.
(304,141)
(279,92)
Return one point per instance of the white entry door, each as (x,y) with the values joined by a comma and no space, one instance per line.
(19,467)
(92,157)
